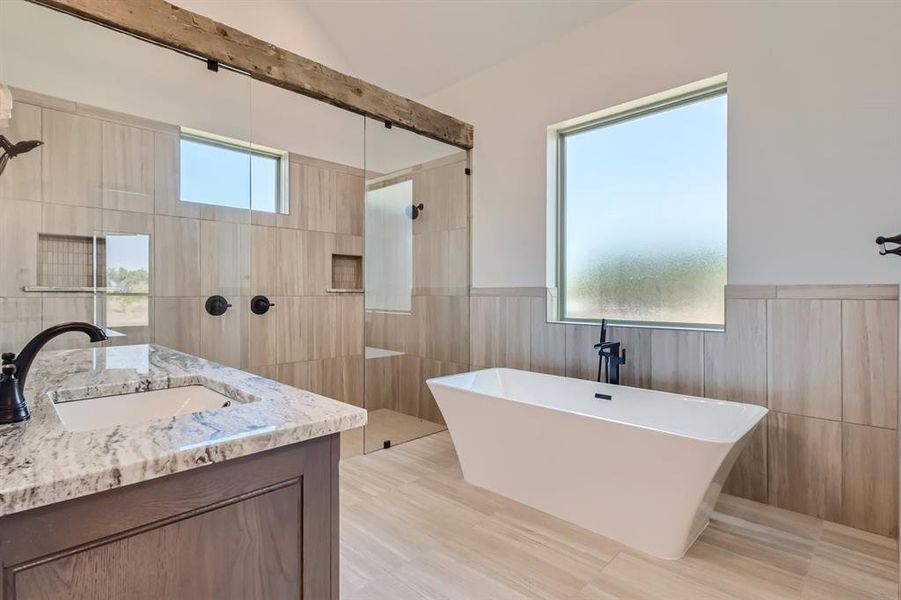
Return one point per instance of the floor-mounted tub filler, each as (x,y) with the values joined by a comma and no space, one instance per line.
(644,468)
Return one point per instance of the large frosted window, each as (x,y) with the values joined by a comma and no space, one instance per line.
(644,215)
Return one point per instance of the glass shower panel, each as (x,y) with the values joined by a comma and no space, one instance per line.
(305,316)
(109,223)
(416,279)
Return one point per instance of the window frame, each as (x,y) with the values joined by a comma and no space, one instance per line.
(682,96)
(282,157)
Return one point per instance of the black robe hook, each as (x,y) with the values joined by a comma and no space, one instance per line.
(882,241)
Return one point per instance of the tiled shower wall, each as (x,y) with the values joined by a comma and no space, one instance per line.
(823,359)
(104,172)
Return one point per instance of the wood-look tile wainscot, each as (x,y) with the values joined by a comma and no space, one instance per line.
(823,359)
(412,529)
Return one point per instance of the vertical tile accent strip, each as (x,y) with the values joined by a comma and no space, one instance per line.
(735,370)
(677,361)
(547,353)
(748,478)
(870,479)
(804,357)
(486,330)
(128,171)
(19,230)
(735,360)
(502,327)
(636,341)
(265,267)
(805,465)
(176,323)
(262,337)
(176,257)
(349,203)
(581,359)
(72,162)
(870,362)
(350,325)
(517,315)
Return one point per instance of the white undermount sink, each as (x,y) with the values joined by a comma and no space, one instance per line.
(129,409)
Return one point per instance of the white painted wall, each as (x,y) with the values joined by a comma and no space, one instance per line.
(814,130)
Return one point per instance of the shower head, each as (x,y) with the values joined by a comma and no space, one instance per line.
(11,150)
(414,209)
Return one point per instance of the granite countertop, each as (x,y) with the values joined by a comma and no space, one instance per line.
(42,463)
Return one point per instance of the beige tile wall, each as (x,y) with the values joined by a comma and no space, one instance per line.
(824,359)
(100,171)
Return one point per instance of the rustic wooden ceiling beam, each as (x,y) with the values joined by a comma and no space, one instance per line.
(168,25)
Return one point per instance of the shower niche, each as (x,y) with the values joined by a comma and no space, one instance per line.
(109,274)
(347,273)
(70,262)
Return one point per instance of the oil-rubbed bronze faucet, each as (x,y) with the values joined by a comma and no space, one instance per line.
(14,369)
(609,353)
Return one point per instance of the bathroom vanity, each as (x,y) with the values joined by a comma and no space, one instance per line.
(133,494)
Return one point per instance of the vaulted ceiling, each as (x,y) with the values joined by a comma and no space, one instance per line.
(411,47)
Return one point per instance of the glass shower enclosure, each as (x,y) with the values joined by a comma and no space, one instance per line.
(416,253)
(205,211)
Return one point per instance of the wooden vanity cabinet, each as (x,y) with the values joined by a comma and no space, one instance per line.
(261,527)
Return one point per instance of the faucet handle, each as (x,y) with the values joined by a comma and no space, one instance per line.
(8,357)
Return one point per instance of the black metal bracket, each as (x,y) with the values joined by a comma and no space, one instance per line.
(468,171)
(212,65)
(882,241)
(388,125)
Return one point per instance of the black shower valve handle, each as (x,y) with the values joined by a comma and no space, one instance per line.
(217,305)
(260,305)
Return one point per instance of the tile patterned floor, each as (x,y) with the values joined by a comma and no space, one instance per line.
(412,529)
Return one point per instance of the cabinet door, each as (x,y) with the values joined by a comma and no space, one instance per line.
(246,550)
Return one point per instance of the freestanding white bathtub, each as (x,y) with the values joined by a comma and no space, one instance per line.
(644,468)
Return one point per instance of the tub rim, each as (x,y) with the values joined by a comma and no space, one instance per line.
(762,410)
